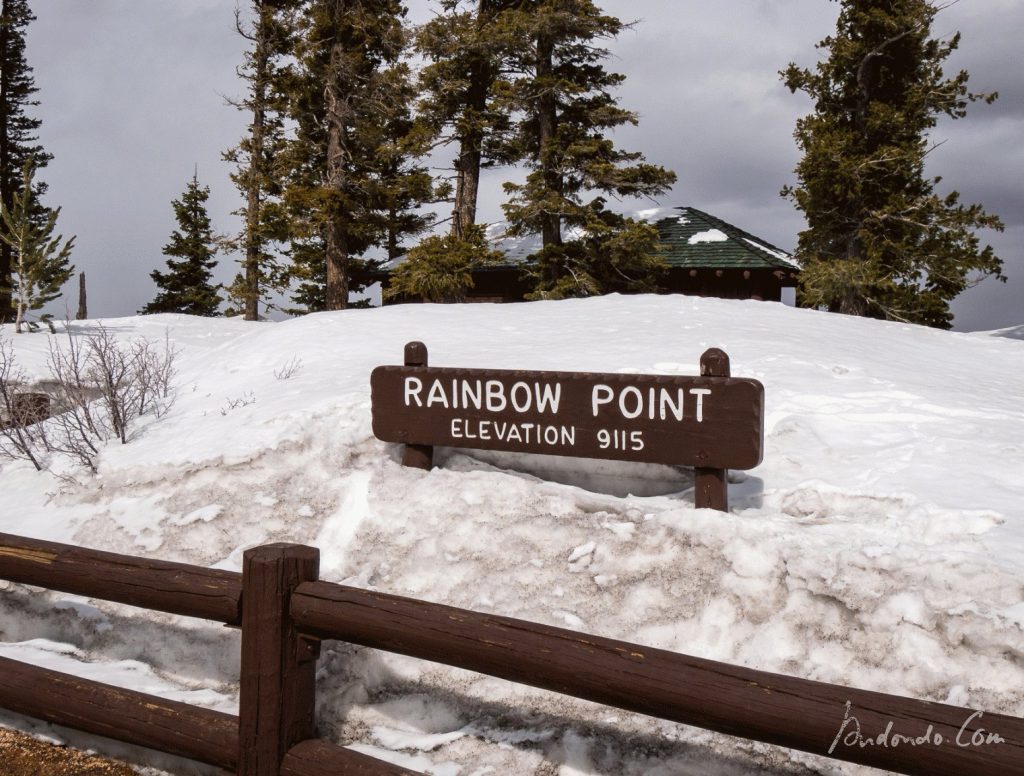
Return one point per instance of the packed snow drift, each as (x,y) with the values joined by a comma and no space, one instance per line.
(879,545)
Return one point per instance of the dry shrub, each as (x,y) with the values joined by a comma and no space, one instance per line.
(98,387)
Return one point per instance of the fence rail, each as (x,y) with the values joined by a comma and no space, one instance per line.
(178,588)
(168,726)
(284,611)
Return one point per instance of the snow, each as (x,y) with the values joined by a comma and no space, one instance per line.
(880,544)
(770,251)
(1011,332)
(655,214)
(707,236)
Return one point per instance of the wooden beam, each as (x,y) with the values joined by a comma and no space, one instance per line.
(124,715)
(320,758)
(178,588)
(277,696)
(773,708)
(711,486)
(417,456)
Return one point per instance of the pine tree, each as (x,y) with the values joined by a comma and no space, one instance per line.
(403,180)
(468,46)
(18,131)
(186,288)
(256,157)
(565,94)
(41,260)
(350,173)
(880,242)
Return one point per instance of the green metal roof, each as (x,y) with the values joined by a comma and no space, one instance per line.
(695,239)
(691,239)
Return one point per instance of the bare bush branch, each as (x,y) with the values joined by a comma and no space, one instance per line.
(98,387)
(155,370)
(244,400)
(19,427)
(289,369)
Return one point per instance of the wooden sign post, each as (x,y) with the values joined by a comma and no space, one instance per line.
(712,422)
(711,486)
(417,456)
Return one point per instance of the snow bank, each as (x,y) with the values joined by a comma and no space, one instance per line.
(880,544)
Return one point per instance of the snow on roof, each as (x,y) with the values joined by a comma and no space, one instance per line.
(692,238)
(518,249)
(653,214)
(773,251)
(709,235)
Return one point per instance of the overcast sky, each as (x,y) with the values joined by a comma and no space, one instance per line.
(132,99)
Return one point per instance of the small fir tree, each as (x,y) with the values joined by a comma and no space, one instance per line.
(880,242)
(41,261)
(440,268)
(186,287)
(614,254)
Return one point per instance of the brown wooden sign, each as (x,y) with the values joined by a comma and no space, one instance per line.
(706,422)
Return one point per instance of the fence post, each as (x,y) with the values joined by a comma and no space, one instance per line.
(710,486)
(278,674)
(417,456)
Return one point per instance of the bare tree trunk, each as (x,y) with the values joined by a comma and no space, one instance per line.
(83,309)
(21,304)
(852,300)
(6,184)
(393,249)
(253,238)
(337,267)
(335,248)
(547,122)
(467,184)
(467,165)
(849,299)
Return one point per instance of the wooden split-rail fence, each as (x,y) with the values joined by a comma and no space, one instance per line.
(284,611)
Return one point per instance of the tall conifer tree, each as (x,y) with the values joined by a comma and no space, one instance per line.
(187,287)
(468,46)
(349,173)
(257,156)
(565,94)
(18,130)
(880,241)
(404,181)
